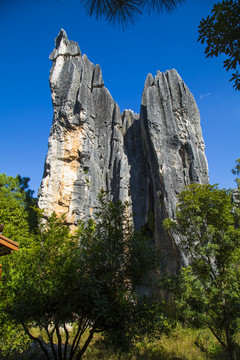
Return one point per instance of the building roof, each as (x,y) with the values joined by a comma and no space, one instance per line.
(7,245)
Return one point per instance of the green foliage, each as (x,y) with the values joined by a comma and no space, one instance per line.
(208,289)
(12,208)
(182,343)
(117,257)
(220,32)
(15,202)
(151,320)
(236,171)
(236,194)
(43,287)
(30,202)
(13,340)
(87,279)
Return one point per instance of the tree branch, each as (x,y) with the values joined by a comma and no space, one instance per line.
(217,337)
(37,340)
(50,337)
(73,347)
(87,342)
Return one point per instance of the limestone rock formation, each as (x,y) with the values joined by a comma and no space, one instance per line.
(145,159)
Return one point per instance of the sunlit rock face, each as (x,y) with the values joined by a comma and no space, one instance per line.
(146,159)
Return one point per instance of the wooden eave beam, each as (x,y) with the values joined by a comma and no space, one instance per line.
(7,245)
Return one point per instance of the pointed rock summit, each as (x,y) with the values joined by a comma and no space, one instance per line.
(64,47)
(146,159)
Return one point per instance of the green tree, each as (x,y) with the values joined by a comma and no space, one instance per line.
(208,288)
(221,32)
(13,208)
(236,171)
(236,192)
(120,261)
(14,214)
(30,202)
(126,11)
(87,280)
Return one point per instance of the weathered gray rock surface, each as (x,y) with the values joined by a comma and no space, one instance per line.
(146,159)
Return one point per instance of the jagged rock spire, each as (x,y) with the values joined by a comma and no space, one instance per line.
(146,159)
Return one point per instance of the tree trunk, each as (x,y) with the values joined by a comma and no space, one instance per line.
(59,343)
(230,342)
(66,343)
(87,342)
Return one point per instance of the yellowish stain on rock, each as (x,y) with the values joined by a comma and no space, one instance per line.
(72,149)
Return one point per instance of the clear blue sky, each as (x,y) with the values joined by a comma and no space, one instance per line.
(28,29)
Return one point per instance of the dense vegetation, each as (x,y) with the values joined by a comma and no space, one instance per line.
(75,295)
(207,290)
(70,286)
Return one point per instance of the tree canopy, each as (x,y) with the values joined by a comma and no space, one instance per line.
(221,34)
(208,289)
(81,283)
(15,205)
(16,215)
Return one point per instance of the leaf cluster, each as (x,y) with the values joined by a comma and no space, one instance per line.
(221,33)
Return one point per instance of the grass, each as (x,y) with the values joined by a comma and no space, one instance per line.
(181,344)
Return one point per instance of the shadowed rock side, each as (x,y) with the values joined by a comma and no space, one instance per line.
(174,148)
(144,159)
